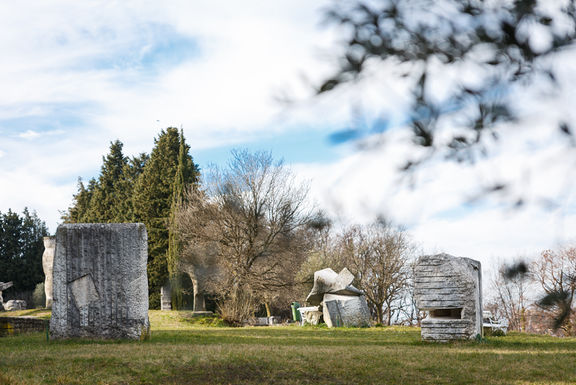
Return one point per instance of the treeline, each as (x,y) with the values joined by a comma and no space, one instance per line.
(21,248)
(144,188)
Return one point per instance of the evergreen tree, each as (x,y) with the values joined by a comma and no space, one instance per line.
(78,212)
(124,209)
(177,200)
(108,194)
(144,189)
(153,197)
(21,249)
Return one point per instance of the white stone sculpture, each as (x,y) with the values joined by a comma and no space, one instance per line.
(48,266)
(3,286)
(166,297)
(342,304)
(15,304)
(449,289)
(100,281)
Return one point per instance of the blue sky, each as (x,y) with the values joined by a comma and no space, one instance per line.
(78,75)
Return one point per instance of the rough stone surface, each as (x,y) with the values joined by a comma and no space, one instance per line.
(48,266)
(15,304)
(345,310)
(100,282)
(17,325)
(166,297)
(450,290)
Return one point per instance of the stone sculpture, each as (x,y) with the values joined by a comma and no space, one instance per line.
(15,304)
(166,297)
(342,304)
(48,265)
(3,286)
(100,282)
(449,289)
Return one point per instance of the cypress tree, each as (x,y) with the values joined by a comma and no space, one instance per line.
(153,198)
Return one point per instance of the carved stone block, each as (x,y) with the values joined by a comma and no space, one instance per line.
(100,282)
(449,289)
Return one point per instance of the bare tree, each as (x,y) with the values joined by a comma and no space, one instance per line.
(199,255)
(379,257)
(511,297)
(249,220)
(555,271)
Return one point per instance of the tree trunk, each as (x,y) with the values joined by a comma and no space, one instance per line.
(379,314)
(268,313)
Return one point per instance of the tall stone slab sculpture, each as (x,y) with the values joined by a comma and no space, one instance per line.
(100,282)
(48,265)
(450,290)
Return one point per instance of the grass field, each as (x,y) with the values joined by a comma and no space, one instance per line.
(183,352)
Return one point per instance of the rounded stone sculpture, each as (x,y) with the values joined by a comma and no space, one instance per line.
(48,266)
(15,304)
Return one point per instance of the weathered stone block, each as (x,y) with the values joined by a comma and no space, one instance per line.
(346,311)
(450,290)
(18,325)
(166,297)
(48,267)
(15,304)
(100,282)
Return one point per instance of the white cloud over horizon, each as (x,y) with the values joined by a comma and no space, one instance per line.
(78,75)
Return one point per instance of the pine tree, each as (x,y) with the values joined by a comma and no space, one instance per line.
(78,211)
(108,194)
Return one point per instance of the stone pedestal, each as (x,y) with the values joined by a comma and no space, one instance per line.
(48,266)
(449,289)
(100,282)
(166,297)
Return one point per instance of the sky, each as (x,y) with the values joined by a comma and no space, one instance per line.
(77,75)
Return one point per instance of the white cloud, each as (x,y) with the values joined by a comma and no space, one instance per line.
(247,52)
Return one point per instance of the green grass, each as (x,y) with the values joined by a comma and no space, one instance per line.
(183,351)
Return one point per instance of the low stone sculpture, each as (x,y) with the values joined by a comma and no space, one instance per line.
(100,282)
(450,290)
(48,266)
(3,286)
(15,304)
(342,304)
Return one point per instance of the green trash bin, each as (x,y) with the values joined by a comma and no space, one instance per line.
(295,312)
